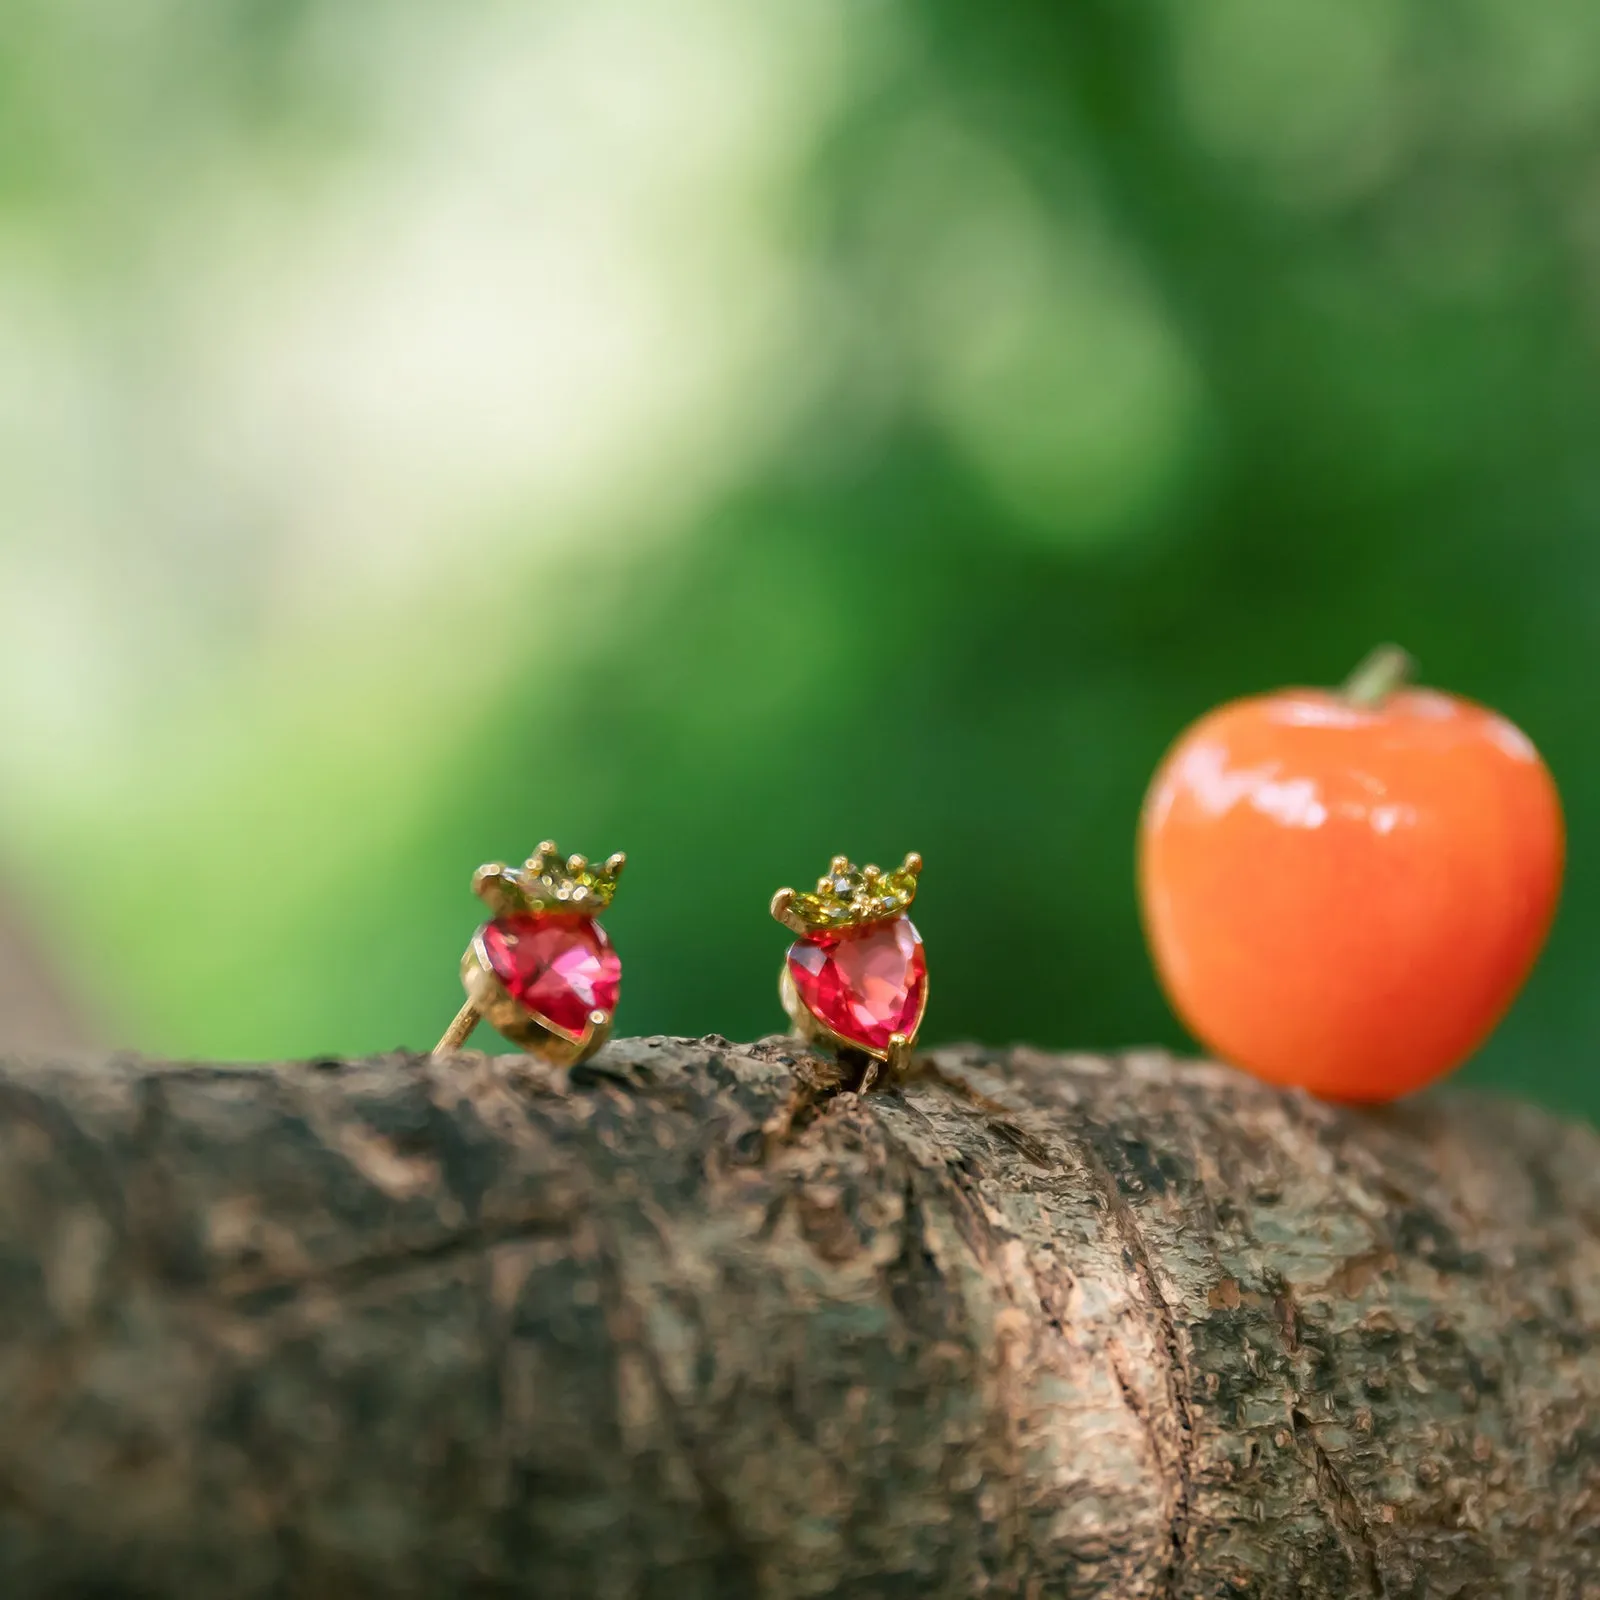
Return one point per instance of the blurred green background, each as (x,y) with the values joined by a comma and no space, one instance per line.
(739,432)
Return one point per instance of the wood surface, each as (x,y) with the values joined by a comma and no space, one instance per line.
(700,1323)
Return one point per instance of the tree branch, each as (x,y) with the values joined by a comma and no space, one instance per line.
(695,1323)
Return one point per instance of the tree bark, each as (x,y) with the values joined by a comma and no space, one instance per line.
(699,1323)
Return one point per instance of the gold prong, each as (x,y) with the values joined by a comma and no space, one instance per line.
(899,1057)
(576,864)
(838,866)
(459,1031)
(496,889)
(783,910)
(615,864)
(596,1030)
(913,864)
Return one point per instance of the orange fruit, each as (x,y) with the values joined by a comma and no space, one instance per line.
(1345,891)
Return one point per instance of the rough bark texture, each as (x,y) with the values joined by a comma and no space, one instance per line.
(696,1325)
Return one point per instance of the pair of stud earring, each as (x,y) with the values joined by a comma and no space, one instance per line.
(542,971)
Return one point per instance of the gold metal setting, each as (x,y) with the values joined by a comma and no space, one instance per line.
(546,882)
(848,897)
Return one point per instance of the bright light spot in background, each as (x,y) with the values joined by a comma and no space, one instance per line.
(278,494)
(1037,343)
(1306,94)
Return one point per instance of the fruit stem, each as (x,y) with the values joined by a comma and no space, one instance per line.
(1384,671)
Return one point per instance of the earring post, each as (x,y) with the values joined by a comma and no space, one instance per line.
(459,1031)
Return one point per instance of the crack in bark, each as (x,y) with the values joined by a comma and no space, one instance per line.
(931,1072)
(1332,1486)
(817,1083)
(1008,1516)
(1158,1446)
(735,1561)
(1178,1380)
(1177,1455)
(250,1292)
(1346,1509)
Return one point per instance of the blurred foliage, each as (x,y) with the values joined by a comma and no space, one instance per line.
(1089,365)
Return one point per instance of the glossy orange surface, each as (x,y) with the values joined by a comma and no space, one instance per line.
(1348,899)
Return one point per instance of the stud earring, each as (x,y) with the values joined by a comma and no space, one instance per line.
(542,970)
(856,979)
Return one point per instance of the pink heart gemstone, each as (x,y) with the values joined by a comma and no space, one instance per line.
(559,965)
(866,983)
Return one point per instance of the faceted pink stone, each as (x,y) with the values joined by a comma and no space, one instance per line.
(866,983)
(560,966)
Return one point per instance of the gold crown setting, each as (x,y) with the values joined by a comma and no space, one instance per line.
(548,881)
(848,897)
